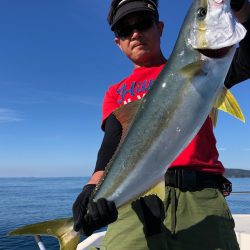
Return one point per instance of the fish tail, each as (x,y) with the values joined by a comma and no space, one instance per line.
(62,229)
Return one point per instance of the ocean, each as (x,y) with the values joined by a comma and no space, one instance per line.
(30,200)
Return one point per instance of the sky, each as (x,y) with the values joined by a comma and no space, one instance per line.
(57,59)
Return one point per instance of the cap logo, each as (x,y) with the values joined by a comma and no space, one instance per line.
(151,7)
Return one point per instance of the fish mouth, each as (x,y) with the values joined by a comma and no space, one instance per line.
(215,53)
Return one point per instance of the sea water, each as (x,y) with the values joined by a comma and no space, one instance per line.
(30,200)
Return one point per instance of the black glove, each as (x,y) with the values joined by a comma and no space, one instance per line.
(100,214)
(236,5)
(88,215)
(80,206)
(150,210)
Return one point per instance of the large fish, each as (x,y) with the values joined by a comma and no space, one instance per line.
(159,126)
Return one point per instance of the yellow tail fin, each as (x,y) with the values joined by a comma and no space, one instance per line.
(62,229)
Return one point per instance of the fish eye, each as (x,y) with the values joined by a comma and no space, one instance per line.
(201,13)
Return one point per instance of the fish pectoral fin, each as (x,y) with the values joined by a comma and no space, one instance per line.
(193,69)
(227,103)
(62,229)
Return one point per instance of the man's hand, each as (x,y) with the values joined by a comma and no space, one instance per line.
(241,9)
(80,206)
(100,214)
(150,210)
(89,216)
(236,5)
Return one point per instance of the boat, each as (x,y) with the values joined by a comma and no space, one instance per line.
(242,229)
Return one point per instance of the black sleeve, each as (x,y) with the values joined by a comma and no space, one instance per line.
(240,68)
(111,139)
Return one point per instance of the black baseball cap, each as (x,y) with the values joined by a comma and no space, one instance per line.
(126,7)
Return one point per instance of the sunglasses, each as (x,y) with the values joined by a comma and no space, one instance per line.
(125,30)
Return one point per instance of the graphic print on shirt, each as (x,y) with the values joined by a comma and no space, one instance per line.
(132,91)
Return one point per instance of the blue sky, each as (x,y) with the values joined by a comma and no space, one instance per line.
(57,58)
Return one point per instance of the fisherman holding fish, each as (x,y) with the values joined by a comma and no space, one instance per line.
(192,213)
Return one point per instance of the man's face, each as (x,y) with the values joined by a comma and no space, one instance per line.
(138,36)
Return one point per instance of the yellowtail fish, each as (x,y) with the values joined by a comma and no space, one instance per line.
(158,127)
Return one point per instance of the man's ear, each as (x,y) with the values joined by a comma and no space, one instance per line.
(117,41)
(160,26)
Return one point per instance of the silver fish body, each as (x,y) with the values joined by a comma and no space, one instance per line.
(168,117)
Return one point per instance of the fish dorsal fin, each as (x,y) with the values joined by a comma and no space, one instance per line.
(62,229)
(227,103)
(125,115)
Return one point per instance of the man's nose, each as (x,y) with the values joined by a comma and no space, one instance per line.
(135,33)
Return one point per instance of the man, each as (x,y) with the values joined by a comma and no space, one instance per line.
(197,218)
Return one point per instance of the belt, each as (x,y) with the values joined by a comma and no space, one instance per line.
(193,180)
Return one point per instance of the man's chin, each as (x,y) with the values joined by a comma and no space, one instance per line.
(142,60)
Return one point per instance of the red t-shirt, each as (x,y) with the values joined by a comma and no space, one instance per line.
(201,153)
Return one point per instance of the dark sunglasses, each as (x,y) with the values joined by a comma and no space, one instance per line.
(125,30)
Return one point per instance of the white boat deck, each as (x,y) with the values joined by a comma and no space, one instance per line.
(242,228)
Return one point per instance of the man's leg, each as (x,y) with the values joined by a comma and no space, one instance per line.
(199,220)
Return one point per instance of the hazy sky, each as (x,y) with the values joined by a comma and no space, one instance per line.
(57,58)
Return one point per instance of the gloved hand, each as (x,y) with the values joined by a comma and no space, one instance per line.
(80,206)
(89,216)
(150,210)
(236,5)
(100,214)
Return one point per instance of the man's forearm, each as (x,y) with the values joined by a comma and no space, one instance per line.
(112,137)
(96,177)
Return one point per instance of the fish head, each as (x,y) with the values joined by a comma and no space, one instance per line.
(213,27)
